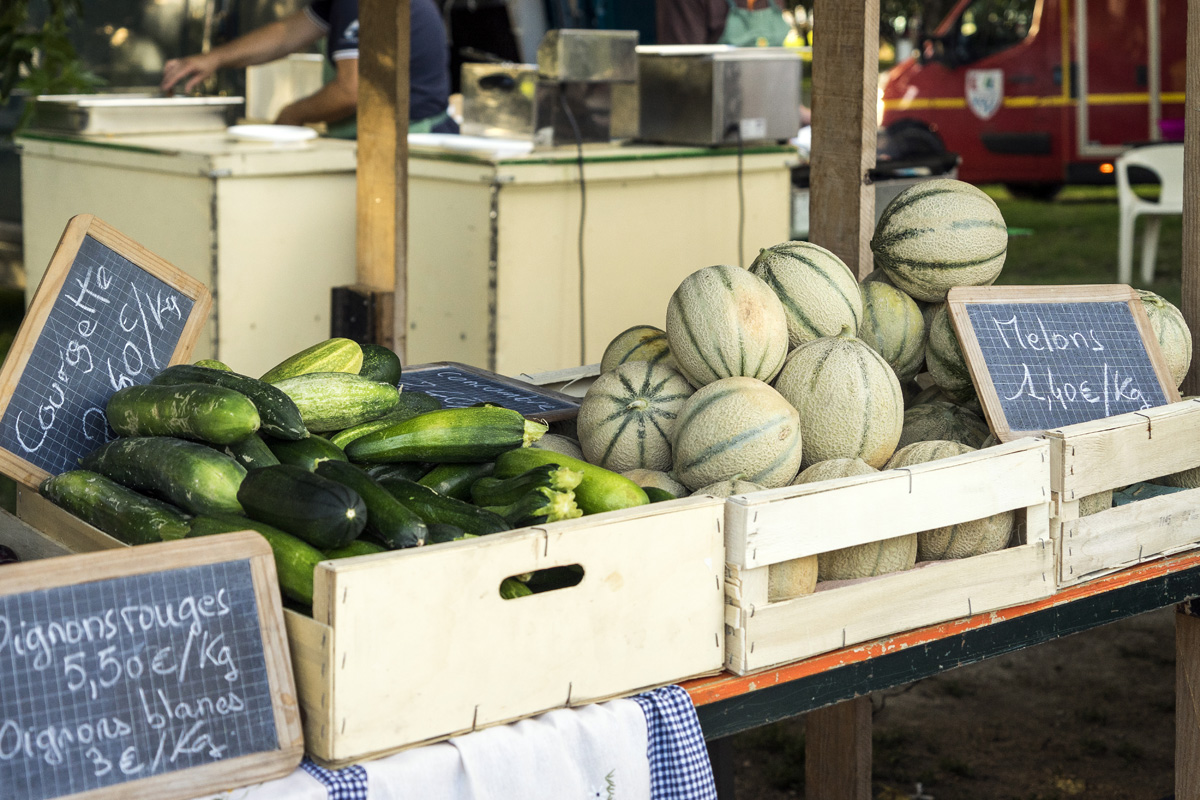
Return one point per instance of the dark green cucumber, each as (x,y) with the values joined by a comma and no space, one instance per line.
(433,508)
(442,532)
(306,453)
(322,512)
(600,490)
(190,475)
(450,435)
(331,355)
(359,547)
(539,506)
(380,364)
(189,410)
(658,495)
(503,491)
(295,559)
(388,520)
(251,452)
(279,415)
(455,480)
(120,512)
(331,401)
(410,471)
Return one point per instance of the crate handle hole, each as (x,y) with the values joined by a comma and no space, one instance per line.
(550,579)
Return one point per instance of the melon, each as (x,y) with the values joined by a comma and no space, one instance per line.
(848,397)
(945,361)
(737,427)
(557,443)
(639,343)
(1174,337)
(819,292)
(627,416)
(938,419)
(892,324)
(724,322)
(729,488)
(658,480)
(1095,503)
(966,538)
(939,234)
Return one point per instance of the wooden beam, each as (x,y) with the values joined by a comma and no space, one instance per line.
(845,93)
(1191,200)
(382,228)
(1187,702)
(837,751)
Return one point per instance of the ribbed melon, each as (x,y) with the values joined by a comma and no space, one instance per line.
(939,234)
(658,480)
(639,343)
(945,361)
(1095,503)
(966,538)
(724,322)
(892,324)
(628,415)
(940,420)
(849,400)
(557,443)
(819,292)
(1174,337)
(729,488)
(737,427)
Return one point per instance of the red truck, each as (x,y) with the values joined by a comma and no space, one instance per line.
(1040,93)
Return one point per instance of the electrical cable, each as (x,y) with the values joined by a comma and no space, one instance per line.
(566,108)
(736,129)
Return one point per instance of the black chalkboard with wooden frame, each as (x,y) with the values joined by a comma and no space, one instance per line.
(1042,357)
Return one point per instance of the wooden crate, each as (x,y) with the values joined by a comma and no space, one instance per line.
(1111,453)
(777,525)
(413,646)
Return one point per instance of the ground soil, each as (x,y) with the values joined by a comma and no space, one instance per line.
(1089,716)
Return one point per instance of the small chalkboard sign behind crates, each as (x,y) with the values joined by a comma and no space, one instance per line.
(1042,357)
(107,314)
(157,672)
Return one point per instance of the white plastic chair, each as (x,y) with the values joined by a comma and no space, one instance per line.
(1166,161)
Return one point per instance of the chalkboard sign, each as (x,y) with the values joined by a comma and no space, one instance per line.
(107,314)
(459,386)
(158,671)
(1044,357)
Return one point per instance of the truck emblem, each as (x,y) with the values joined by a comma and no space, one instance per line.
(985,91)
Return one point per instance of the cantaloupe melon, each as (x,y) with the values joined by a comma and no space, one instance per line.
(627,416)
(1095,503)
(819,292)
(558,443)
(939,419)
(729,488)
(639,343)
(945,361)
(1174,337)
(939,234)
(658,480)
(892,324)
(849,400)
(966,538)
(737,427)
(724,322)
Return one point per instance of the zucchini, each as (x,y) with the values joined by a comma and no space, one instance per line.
(380,364)
(277,412)
(449,435)
(455,480)
(658,495)
(295,559)
(251,452)
(539,506)
(359,547)
(212,363)
(511,588)
(411,471)
(387,519)
(306,453)
(122,513)
(191,410)
(600,490)
(443,532)
(331,355)
(331,401)
(433,508)
(410,405)
(190,475)
(322,512)
(504,491)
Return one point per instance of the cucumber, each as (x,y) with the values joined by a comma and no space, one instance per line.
(455,480)
(380,364)
(306,453)
(191,411)
(503,491)
(251,452)
(658,495)
(331,401)
(410,471)
(359,547)
(212,363)
(452,435)
(347,435)
(122,513)
(511,588)
(600,490)
(387,519)
(322,512)
(190,475)
(278,413)
(539,506)
(295,559)
(434,508)
(410,405)
(331,355)
(443,532)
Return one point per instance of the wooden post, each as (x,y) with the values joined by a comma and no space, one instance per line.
(1191,200)
(845,94)
(1187,702)
(837,751)
(382,228)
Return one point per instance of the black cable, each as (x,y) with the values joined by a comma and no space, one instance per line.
(562,100)
(736,129)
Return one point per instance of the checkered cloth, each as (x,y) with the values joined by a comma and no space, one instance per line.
(679,765)
(341,784)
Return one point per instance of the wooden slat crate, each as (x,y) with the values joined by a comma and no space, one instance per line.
(1111,453)
(778,525)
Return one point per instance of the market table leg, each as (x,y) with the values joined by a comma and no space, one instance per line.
(1187,701)
(837,751)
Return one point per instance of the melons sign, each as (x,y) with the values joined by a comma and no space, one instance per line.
(1044,357)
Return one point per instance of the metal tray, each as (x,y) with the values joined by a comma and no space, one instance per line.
(99,114)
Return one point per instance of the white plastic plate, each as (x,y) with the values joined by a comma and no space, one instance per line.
(284,134)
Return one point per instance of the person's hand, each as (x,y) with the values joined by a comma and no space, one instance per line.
(289,115)
(195,69)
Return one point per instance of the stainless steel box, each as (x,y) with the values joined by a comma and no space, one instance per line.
(707,94)
(498,99)
(569,55)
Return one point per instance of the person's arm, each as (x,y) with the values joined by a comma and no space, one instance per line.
(334,101)
(274,40)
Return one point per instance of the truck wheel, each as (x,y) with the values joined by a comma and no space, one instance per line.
(1042,192)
